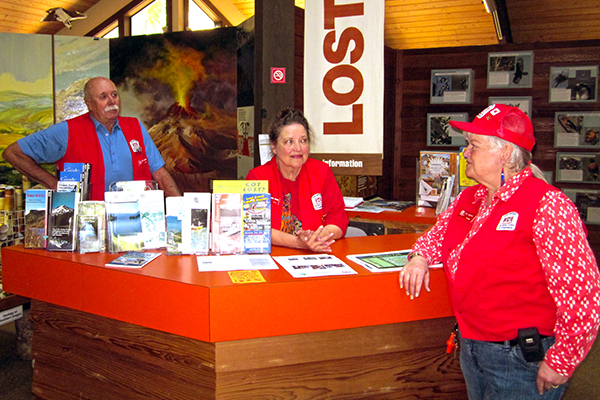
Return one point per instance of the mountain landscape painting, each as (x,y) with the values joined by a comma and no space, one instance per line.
(76,60)
(183,87)
(26,100)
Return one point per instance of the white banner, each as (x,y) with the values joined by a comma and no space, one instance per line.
(343,80)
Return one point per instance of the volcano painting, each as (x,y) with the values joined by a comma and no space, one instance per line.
(182,86)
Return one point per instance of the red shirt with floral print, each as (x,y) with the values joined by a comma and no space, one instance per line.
(568,262)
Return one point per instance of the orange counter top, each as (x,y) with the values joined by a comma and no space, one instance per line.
(414,214)
(171,295)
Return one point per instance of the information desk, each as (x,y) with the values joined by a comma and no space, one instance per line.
(412,220)
(168,331)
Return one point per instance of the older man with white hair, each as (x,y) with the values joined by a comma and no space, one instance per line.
(118,148)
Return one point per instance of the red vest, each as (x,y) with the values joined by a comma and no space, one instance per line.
(86,148)
(499,285)
(310,184)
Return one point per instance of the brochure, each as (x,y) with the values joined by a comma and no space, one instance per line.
(256,222)
(152,213)
(62,221)
(237,262)
(314,265)
(434,167)
(37,208)
(195,227)
(174,215)
(133,259)
(384,262)
(91,229)
(124,221)
(227,223)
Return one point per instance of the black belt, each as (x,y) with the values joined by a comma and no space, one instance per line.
(514,342)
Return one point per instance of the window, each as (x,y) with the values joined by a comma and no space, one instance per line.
(146,17)
(113,33)
(197,18)
(150,19)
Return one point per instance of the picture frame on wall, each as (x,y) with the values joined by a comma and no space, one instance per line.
(587,202)
(439,131)
(578,167)
(451,86)
(524,103)
(577,129)
(574,84)
(510,70)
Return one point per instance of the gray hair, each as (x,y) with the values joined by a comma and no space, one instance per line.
(519,158)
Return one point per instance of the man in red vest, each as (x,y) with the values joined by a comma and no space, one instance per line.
(118,148)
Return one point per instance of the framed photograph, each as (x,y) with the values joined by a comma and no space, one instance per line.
(439,131)
(451,86)
(574,84)
(523,103)
(510,70)
(577,129)
(587,202)
(577,167)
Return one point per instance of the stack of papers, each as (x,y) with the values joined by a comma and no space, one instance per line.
(351,202)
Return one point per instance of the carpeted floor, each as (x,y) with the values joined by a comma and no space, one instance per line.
(16,374)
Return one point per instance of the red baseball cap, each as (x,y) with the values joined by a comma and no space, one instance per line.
(506,122)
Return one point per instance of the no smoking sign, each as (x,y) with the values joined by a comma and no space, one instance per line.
(277,75)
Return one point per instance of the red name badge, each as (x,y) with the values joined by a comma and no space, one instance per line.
(466,215)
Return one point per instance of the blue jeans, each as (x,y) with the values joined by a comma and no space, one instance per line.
(499,372)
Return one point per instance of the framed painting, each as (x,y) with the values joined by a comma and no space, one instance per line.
(451,86)
(510,70)
(523,103)
(577,129)
(439,131)
(574,84)
(577,167)
(587,202)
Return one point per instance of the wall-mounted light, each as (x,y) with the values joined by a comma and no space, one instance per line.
(490,7)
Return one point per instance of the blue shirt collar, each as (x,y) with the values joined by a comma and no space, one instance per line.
(101,128)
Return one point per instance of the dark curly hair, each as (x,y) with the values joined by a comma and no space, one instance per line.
(287,116)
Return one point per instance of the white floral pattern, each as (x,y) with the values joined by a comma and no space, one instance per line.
(566,257)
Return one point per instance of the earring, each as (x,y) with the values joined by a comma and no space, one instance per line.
(502,177)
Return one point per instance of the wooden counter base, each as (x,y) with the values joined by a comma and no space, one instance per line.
(79,355)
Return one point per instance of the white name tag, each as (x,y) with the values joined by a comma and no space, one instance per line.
(317,201)
(508,222)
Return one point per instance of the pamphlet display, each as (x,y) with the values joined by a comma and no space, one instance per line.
(435,168)
(195,227)
(75,177)
(175,213)
(152,213)
(245,225)
(227,223)
(91,227)
(124,221)
(62,230)
(256,222)
(37,205)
